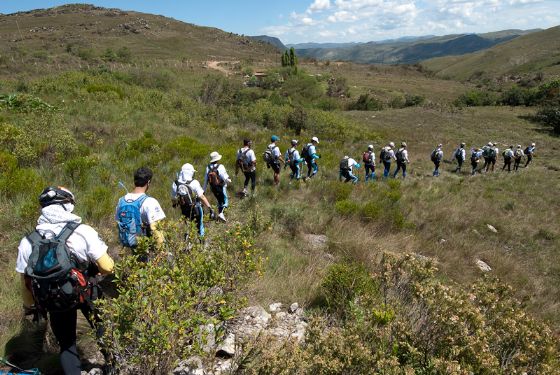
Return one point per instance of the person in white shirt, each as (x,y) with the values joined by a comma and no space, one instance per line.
(437,157)
(386,156)
(460,155)
(247,162)
(508,158)
(89,250)
(401,156)
(293,160)
(275,158)
(347,165)
(517,156)
(310,155)
(368,157)
(188,194)
(529,152)
(217,177)
(151,212)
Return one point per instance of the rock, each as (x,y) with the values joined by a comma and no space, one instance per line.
(477,233)
(483,266)
(293,307)
(281,315)
(421,257)
(207,337)
(316,241)
(275,307)
(191,366)
(223,367)
(442,241)
(227,348)
(491,228)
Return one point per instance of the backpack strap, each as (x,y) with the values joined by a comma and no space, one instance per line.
(67,231)
(34,237)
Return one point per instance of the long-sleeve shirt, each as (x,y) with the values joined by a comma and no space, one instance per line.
(292,156)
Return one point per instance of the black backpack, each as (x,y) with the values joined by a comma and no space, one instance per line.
(305,152)
(434,156)
(527,150)
(56,277)
(186,196)
(399,155)
(345,165)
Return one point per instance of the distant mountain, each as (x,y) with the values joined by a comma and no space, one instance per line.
(408,49)
(535,52)
(321,45)
(271,40)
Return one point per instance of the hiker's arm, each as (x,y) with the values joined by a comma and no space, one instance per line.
(26,294)
(156,233)
(204,201)
(105,264)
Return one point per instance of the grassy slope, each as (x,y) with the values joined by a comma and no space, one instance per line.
(527,54)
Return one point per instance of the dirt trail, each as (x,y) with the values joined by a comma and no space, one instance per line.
(213,64)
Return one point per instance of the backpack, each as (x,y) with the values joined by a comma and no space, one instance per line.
(269,156)
(384,155)
(185,196)
(242,161)
(305,152)
(518,154)
(434,156)
(527,150)
(291,156)
(459,154)
(507,154)
(129,221)
(400,155)
(367,157)
(492,153)
(345,165)
(474,157)
(214,176)
(54,274)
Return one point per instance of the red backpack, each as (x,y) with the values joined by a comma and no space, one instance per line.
(367,157)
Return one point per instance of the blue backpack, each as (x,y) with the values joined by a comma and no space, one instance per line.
(129,221)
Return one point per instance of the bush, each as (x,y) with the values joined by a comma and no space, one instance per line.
(24,103)
(550,116)
(338,88)
(105,88)
(21,181)
(302,89)
(297,120)
(219,91)
(164,305)
(97,203)
(366,103)
(475,98)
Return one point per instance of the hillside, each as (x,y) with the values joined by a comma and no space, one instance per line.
(80,35)
(532,53)
(270,40)
(408,50)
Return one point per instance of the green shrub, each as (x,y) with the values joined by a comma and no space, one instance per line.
(413,100)
(21,181)
(346,207)
(97,204)
(219,91)
(162,307)
(302,89)
(475,98)
(187,148)
(24,103)
(366,103)
(297,120)
(79,169)
(105,88)
(550,116)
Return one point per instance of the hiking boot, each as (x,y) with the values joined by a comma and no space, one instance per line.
(222,217)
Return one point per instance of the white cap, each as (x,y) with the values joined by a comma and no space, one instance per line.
(533,144)
(315,139)
(440,145)
(518,146)
(370,147)
(391,144)
(214,156)
(490,144)
(187,172)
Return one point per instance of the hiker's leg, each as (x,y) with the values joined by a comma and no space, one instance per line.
(253,181)
(225,199)
(200,220)
(247,178)
(403,170)
(366,169)
(315,168)
(63,325)
(397,170)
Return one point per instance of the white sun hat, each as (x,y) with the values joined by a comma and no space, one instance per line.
(215,156)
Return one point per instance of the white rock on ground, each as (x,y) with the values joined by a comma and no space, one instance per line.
(191,366)
(226,349)
(275,307)
(293,308)
(483,266)
(316,241)
(491,228)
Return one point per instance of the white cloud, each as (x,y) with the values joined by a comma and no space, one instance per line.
(366,20)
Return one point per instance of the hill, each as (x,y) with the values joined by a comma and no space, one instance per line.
(79,35)
(271,40)
(409,50)
(532,53)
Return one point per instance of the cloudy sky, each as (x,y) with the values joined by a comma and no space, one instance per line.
(295,21)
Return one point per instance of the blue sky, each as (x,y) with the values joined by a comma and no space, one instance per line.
(339,20)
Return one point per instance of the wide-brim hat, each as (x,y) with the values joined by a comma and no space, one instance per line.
(215,156)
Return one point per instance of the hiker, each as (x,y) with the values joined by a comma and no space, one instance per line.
(368,157)
(293,160)
(309,154)
(58,263)
(476,154)
(437,157)
(517,156)
(508,157)
(529,152)
(347,165)
(247,162)
(385,156)
(460,155)
(138,214)
(489,152)
(187,193)
(273,158)
(217,177)
(401,156)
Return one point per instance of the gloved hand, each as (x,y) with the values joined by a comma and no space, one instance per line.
(212,215)
(358,165)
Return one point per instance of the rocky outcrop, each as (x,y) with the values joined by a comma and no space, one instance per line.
(277,324)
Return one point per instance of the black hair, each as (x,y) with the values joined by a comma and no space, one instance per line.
(142,176)
(246,142)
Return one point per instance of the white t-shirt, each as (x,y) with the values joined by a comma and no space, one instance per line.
(150,211)
(221,172)
(249,157)
(194,185)
(295,155)
(311,150)
(275,151)
(84,243)
(352,163)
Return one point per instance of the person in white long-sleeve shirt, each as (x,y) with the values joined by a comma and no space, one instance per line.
(217,177)
(460,155)
(437,157)
(347,165)
(402,160)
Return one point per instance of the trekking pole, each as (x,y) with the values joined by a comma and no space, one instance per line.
(33,371)
(122,185)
